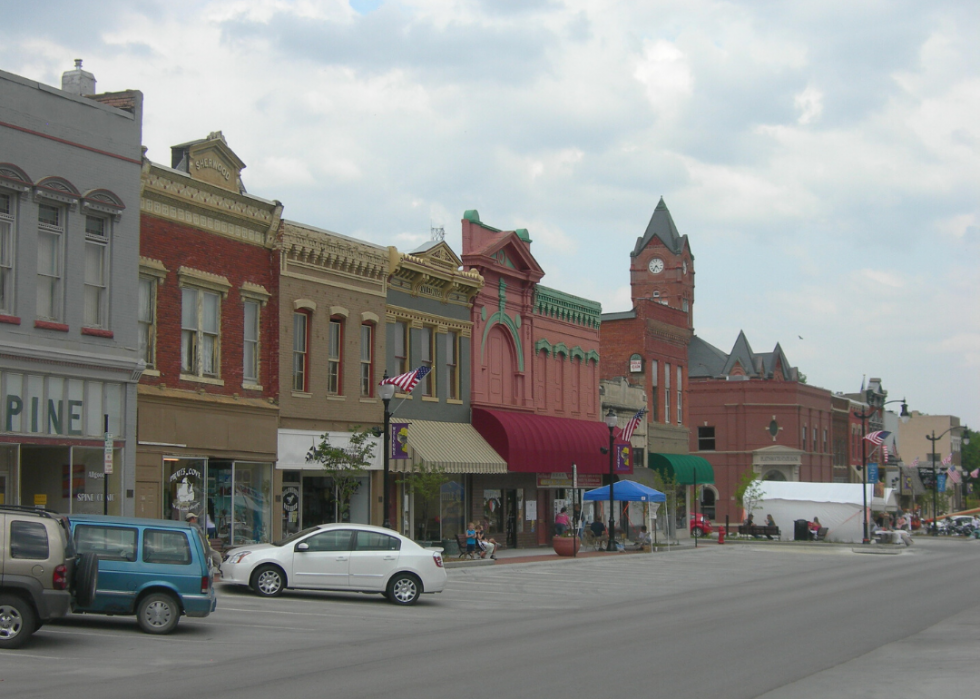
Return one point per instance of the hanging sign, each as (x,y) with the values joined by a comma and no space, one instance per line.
(107,455)
(941,482)
(636,364)
(872,473)
(399,440)
(623,457)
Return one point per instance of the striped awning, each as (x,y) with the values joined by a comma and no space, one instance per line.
(453,446)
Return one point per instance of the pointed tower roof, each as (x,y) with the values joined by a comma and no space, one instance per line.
(742,354)
(662,226)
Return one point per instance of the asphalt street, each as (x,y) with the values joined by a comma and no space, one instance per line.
(782,622)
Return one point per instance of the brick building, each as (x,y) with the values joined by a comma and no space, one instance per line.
(69,246)
(332,298)
(752,413)
(209,334)
(535,395)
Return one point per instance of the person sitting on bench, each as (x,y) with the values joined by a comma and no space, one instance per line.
(770,522)
(599,530)
(642,539)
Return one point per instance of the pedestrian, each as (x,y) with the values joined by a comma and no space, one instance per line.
(561,522)
(213,555)
(470,540)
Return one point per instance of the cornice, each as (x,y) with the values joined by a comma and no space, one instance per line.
(571,309)
(319,250)
(194,203)
(423,277)
(420,318)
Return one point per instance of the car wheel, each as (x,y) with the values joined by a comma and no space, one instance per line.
(86,579)
(404,589)
(697,533)
(268,581)
(158,613)
(17,621)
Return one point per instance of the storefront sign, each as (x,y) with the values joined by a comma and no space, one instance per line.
(636,364)
(59,405)
(872,473)
(532,510)
(564,480)
(41,499)
(399,440)
(107,455)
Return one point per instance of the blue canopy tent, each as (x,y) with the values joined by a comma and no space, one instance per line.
(629,491)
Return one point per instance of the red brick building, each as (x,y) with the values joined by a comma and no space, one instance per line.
(209,329)
(750,412)
(535,386)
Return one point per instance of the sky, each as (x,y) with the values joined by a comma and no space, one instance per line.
(823,158)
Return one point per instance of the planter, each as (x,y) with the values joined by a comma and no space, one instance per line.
(565,545)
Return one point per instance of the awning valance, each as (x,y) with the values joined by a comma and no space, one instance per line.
(545,444)
(453,446)
(683,468)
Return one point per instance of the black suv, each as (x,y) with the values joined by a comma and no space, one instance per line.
(39,572)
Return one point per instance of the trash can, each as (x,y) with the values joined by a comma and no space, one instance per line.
(800,530)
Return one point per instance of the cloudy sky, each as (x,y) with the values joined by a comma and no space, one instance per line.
(822,157)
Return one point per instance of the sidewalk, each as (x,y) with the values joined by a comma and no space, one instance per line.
(546,553)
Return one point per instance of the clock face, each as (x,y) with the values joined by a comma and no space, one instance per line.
(656,266)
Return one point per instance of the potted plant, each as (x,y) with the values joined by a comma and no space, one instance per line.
(566,544)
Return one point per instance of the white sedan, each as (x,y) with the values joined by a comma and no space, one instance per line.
(351,557)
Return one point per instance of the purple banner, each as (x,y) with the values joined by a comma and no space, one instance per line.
(399,440)
(623,457)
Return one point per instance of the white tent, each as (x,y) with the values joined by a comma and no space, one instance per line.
(837,505)
(886,503)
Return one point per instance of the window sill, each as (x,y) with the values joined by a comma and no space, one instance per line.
(151,372)
(98,332)
(430,399)
(202,379)
(251,387)
(337,398)
(369,400)
(50,325)
(301,394)
(403,396)
(454,401)
(13,320)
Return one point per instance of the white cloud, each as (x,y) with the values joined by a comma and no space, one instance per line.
(809,104)
(664,73)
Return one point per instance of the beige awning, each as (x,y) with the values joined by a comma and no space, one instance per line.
(453,446)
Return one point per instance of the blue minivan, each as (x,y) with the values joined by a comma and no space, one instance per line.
(156,569)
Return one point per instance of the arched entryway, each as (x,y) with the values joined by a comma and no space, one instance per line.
(774,475)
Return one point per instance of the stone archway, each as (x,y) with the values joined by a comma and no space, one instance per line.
(774,475)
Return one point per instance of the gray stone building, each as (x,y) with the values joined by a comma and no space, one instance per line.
(69,254)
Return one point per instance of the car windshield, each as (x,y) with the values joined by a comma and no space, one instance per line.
(293,537)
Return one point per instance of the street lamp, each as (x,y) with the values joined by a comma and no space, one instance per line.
(387,392)
(863,417)
(935,481)
(611,421)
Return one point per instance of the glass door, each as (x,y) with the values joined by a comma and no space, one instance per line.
(9,462)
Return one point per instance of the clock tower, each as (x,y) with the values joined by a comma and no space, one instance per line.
(662,266)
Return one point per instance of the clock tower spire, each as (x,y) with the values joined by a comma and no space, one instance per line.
(662,266)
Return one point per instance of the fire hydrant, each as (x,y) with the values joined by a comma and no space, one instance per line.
(721,535)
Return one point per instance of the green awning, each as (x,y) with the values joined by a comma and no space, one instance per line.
(683,468)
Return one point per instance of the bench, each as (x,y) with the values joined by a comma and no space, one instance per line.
(758,530)
(461,541)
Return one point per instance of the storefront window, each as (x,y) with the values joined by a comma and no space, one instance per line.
(239,503)
(452,507)
(493,510)
(86,481)
(183,487)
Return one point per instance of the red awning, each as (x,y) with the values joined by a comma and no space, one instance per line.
(544,444)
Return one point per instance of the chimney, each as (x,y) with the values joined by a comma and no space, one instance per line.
(78,81)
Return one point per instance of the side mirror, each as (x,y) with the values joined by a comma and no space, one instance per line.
(302,546)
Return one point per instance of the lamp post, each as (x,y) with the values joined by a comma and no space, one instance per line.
(863,417)
(935,480)
(611,421)
(387,392)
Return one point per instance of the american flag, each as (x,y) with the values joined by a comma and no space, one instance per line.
(948,460)
(406,382)
(632,425)
(877,437)
(915,462)
(975,473)
(884,453)
(953,474)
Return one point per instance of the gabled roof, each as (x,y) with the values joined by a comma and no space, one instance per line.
(743,355)
(703,358)
(516,253)
(707,361)
(439,252)
(662,226)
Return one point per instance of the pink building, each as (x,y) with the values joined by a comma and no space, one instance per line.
(535,387)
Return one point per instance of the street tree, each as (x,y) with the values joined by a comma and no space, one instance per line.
(346,464)
(425,483)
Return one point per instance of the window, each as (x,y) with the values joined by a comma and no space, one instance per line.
(96,277)
(110,543)
(6,254)
(666,393)
(425,359)
(338,540)
(452,365)
(147,313)
(334,357)
(50,242)
(655,396)
(375,541)
(680,393)
(301,348)
(804,437)
(814,442)
(199,332)
(28,540)
(706,439)
(401,348)
(168,547)
(250,348)
(367,357)
(825,440)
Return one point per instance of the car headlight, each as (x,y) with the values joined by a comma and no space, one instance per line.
(237,557)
